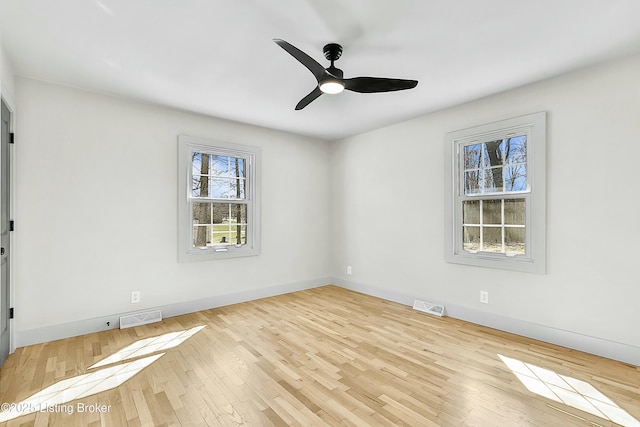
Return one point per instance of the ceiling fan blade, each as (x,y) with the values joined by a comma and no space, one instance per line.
(313,66)
(378,84)
(307,99)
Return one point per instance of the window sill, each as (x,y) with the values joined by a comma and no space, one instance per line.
(217,253)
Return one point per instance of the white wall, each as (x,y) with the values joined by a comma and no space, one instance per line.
(388,207)
(96,208)
(7,86)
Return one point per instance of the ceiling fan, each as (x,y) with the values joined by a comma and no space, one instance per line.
(331,80)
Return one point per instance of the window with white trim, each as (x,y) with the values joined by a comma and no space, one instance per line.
(219,200)
(495,195)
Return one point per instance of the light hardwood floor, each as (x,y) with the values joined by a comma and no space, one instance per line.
(325,356)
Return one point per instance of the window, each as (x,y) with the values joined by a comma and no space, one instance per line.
(219,200)
(495,195)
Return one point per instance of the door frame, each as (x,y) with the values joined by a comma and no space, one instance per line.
(11,265)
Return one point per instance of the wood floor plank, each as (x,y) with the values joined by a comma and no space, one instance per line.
(325,356)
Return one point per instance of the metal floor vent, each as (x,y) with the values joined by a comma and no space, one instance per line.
(142,318)
(428,307)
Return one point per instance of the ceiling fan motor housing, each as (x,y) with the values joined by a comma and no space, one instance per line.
(332,51)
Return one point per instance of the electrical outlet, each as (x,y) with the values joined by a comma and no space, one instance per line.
(348,270)
(135,297)
(484,297)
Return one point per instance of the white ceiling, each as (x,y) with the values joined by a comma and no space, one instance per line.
(217,57)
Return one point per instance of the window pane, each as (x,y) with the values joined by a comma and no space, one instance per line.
(202,236)
(229,213)
(514,240)
(493,153)
(226,223)
(228,167)
(492,234)
(219,166)
(514,211)
(220,212)
(220,188)
(472,182)
(493,180)
(230,235)
(220,236)
(218,177)
(237,168)
(515,149)
(515,178)
(200,186)
(196,163)
(202,213)
(472,156)
(492,212)
(200,173)
(237,214)
(496,166)
(492,239)
(471,238)
(471,212)
(200,163)
(237,188)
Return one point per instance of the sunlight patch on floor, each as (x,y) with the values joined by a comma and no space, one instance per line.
(148,346)
(56,397)
(570,391)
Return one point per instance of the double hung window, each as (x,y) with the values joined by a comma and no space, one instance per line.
(495,195)
(219,201)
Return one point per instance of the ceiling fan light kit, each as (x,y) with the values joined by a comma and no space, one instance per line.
(331,86)
(331,80)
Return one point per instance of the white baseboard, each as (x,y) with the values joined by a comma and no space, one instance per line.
(601,347)
(97,324)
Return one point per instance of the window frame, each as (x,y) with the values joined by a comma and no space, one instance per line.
(187,145)
(534,259)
